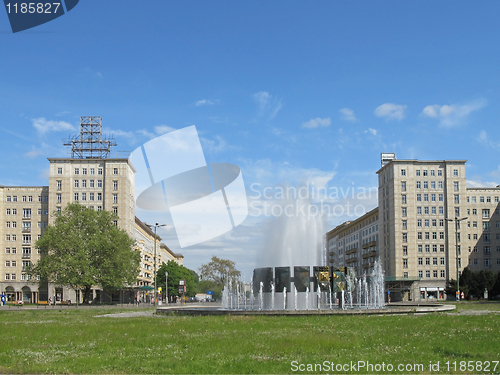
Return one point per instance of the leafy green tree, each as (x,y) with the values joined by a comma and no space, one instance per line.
(215,274)
(176,273)
(83,249)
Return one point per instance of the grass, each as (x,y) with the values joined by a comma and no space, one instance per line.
(76,341)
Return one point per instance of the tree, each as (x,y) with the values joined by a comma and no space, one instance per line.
(216,273)
(84,248)
(176,273)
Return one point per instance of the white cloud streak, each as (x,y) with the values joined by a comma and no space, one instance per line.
(454,114)
(268,105)
(347,114)
(391,111)
(316,123)
(44,126)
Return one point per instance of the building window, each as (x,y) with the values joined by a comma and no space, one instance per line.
(77,183)
(99,196)
(434,261)
(59,186)
(419,235)
(84,196)
(420,274)
(455,173)
(426,210)
(419,248)
(456,186)
(486,214)
(405,237)
(92,171)
(115,171)
(99,171)
(84,170)
(84,183)
(486,225)
(419,197)
(428,274)
(59,170)
(425,172)
(426,197)
(405,263)
(440,172)
(403,185)
(420,261)
(418,185)
(76,197)
(417,172)
(115,210)
(457,199)
(435,273)
(99,183)
(91,183)
(419,210)
(59,198)
(403,199)
(426,185)
(487,263)
(427,248)
(426,222)
(427,261)
(91,196)
(115,198)
(77,170)
(405,250)
(115,185)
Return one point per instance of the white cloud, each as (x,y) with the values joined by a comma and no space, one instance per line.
(162,129)
(485,140)
(479,184)
(204,102)
(317,122)
(268,105)
(34,152)
(391,111)
(452,115)
(372,131)
(44,126)
(214,146)
(348,114)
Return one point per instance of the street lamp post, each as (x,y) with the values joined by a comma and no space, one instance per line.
(166,287)
(154,272)
(457,223)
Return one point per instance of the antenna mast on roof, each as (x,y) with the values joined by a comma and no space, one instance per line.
(90,144)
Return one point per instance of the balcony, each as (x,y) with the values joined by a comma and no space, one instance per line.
(369,244)
(352,260)
(26,217)
(27,230)
(351,251)
(26,256)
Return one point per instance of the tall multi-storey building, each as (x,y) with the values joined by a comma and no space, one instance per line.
(100,184)
(23,217)
(355,243)
(94,180)
(431,226)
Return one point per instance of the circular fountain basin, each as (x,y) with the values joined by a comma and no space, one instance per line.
(393,308)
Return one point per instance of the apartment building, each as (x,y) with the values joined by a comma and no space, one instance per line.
(24,215)
(355,243)
(94,180)
(430,225)
(100,184)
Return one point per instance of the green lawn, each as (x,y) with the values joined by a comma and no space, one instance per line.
(76,341)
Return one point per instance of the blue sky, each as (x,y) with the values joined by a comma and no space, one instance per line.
(292,92)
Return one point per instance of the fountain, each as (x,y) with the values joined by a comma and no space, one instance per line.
(297,279)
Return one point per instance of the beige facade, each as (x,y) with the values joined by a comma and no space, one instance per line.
(102,184)
(421,244)
(23,217)
(355,243)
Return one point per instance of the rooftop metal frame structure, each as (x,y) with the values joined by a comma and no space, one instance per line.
(90,144)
